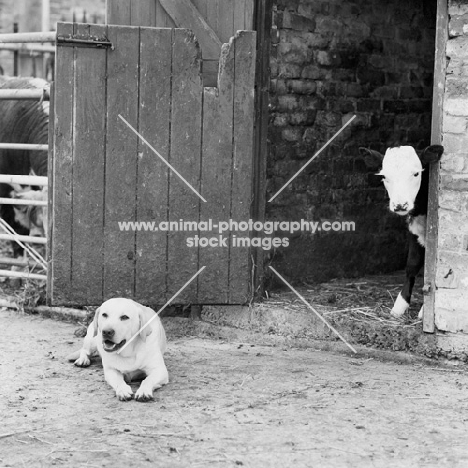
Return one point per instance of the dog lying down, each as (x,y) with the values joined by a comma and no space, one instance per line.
(114,324)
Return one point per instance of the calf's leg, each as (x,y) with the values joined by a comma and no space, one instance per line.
(413,264)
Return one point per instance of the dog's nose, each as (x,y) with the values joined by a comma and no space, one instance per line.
(108,333)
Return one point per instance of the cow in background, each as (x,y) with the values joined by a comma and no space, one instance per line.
(24,121)
(406,179)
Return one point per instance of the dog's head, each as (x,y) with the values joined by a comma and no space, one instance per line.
(118,320)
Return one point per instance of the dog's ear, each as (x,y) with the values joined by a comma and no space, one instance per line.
(146,314)
(95,321)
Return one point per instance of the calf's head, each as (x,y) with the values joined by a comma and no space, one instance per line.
(401,173)
(33,218)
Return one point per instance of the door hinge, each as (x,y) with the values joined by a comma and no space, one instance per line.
(75,40)
(426,289)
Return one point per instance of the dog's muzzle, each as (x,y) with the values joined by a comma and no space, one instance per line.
(111,347)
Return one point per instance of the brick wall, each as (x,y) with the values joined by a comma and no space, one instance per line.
(331,60)
(452,262)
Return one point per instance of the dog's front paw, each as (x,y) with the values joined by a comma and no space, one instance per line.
(400,307)
(124,393)
(82,361)
(144,394)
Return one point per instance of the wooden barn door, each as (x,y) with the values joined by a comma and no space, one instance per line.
(104,174)
(214,22)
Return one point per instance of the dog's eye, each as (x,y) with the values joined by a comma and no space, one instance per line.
(104,315)
(124,317)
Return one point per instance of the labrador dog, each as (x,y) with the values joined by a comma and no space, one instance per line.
(110,334)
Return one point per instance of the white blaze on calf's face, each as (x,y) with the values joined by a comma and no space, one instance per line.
(401,171)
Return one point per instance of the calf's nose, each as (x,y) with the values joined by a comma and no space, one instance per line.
(108,333)
(401,207)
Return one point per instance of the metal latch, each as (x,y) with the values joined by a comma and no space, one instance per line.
(76,40)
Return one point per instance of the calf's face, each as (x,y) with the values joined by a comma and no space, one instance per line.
(401,175)
(33,218)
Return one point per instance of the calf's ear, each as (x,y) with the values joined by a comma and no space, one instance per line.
(431,154)
(372,159)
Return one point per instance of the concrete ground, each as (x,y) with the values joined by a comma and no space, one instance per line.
(227,404)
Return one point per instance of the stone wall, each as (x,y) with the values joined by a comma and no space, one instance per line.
(331,60)
(451,302)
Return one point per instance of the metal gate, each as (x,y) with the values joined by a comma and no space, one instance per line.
(117,87)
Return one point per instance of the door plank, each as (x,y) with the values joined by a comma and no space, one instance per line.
(163,20)
(242,175)
(249,15)
(62,215)
(216,177)
(153,175)
(142,13)
(185,15)
(238,23)
(121,161)
(89,129)
(118,12)
(185,155)
(225,20)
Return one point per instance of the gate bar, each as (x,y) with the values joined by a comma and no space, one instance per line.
(22,274)
(20,38)
(25,94)
(17,261)
(20,201)
(23,180)
(28,48)
(24,146)
(28,239)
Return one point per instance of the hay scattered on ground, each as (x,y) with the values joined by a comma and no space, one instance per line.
(367,299)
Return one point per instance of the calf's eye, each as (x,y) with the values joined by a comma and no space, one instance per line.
(124,317)
(104,315)
(416,174)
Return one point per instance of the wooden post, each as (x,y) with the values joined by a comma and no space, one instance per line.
(433,205)
(263,24)
(48,221)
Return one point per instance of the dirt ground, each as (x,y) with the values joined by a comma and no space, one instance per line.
(227,404)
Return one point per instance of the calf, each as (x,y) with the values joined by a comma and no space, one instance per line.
(406,179)
(32,217)
(22,122)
